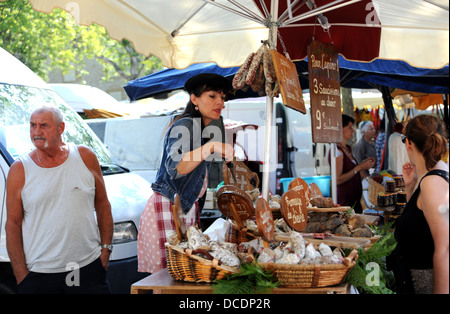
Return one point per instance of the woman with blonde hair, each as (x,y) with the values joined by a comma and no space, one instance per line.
(422,233)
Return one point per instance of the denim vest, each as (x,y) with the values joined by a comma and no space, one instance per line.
(183,136)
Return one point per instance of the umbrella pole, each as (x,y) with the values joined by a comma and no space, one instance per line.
(333,172)
(269,150)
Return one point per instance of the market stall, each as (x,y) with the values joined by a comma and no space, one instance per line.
(309,247)
(230,33)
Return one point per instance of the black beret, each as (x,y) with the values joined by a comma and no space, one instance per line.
(210,81)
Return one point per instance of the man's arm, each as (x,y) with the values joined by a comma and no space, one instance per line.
(13,227)
(102,204)
(358,152)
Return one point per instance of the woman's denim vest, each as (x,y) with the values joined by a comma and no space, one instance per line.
(183,136)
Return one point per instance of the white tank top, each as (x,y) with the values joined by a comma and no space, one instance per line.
(59,225)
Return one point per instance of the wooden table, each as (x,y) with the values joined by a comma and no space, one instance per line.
(162,283)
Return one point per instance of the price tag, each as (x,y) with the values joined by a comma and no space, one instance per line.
(294,210)
(235,207)
(178,218)
(325,93)
(287,77)
(235,190)
(264,219)
(300,184)
(315,190)
(246,180)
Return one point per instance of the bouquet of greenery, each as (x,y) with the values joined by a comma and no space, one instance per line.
(370,275)
(251,279)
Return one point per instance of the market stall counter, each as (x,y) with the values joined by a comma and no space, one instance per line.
(297,255)
(162,283)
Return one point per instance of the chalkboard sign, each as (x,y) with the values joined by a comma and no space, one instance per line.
(287,77)
(325,93)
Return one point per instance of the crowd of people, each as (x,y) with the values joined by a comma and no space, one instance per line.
(415,152)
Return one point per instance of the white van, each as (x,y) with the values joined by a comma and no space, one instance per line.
(137,142)
(298,156)
(21,91)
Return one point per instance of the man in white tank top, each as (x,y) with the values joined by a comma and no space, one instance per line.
(53,195)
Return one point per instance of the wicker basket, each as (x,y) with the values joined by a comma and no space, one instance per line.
(374,189)
(234,235)
(186,266)
(312,276)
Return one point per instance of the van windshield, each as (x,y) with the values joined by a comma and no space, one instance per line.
(16,105)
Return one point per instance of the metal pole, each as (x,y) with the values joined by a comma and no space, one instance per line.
(333,172)
(269,150)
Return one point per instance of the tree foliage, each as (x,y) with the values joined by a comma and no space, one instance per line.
(45,42)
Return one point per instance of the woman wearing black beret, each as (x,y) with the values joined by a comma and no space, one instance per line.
(184,168)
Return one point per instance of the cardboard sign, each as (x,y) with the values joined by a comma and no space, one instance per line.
(294,210)
(264,219)
(287,77)
(325,93)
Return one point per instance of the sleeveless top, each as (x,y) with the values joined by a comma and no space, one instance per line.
(59,225)
(414,240)
(350,192)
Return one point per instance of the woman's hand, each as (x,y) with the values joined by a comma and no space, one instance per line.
(224,149)
(367,164)
(409,174)
(192,159)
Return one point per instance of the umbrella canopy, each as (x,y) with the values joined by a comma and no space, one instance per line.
(184,32)
(395,74)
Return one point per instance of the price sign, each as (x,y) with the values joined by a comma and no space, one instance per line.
(236,207)
(240,176)
(325,92)
(180,227)
(264,219)
(299,184)
(235,190)
(287,77)
(293,209)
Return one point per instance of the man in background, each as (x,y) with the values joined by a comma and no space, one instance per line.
(365,148)
(397,150)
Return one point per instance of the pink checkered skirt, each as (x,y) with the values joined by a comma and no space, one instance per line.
(156,220)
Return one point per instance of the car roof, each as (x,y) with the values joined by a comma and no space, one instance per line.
(15,72)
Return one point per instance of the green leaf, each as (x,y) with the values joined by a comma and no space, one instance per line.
(251,279)
(375,254)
